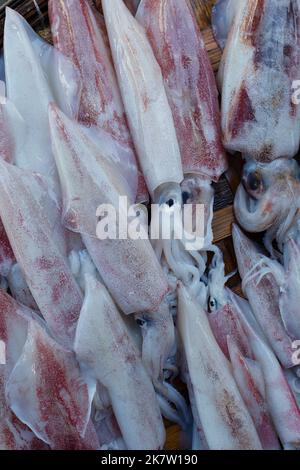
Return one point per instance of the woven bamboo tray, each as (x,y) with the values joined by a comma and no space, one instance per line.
(36,14)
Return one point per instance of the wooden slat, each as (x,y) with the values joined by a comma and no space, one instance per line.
(173,438)
(222,222)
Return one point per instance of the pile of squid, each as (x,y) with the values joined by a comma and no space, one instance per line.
(95,334)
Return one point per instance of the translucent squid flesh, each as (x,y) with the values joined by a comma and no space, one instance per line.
(268,200)
(260,63)
(79,32)
(37,251)
(280,400)
(14,435)
(223,317)
(89,178)
(189,81)
(144,96)
(223,14)
(288,279)
(19,289)
(263,294)
(253,398)
(290,291)
(46,76)
(158,339)
(224,416)
(46,391)
(104,346)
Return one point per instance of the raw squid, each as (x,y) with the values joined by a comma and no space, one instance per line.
(89,178)
(7,257)
(46,75)
(8,117)
(228,330)
(37,246)
(14,435)
(146,104)
(223,317)
(105,348)
(260,63)
(263,294)
(189,81)
(224,417)
(47,392)
(253,395)
(223,14)
(19,288)
(269,199)
(280,400)
(79,33)
(288,279)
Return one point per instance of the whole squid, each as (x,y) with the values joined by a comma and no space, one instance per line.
(38,249)
(104,346)
(279,397)
(261,61)
(190,84)
(46,75)
(148,111)
(90,178)
(226,421)
(46,391)
(263,295)
(227,326)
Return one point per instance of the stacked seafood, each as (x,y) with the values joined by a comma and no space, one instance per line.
(95,330)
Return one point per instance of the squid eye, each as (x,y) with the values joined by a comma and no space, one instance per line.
(141,322)
(185,197)
(212,304)
(254,181)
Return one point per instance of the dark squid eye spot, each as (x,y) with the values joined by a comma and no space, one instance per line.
(170,202)
(254,181)
(141,322)
(185,197)
(212,304)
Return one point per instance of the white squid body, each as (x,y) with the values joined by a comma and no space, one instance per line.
(260,62)
(279,397)
(144,96)
(37,246)
(101,107)
(89,178)
(14,435)
(263,294)
(104,346)
(189,82)
(226,422)
(46,391)
(249,378)
(46,75)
